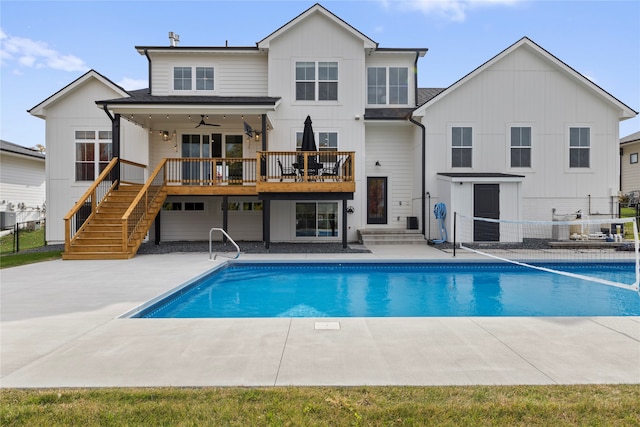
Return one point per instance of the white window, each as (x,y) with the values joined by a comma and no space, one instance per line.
(93,153)
(186,78)
(579,147)
(520,147)
(387,86)
(325,141)
(461,147)
(316,81)
(183,206)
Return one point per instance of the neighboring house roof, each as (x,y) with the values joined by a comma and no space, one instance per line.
(626,111)
(38,110)
(634,137)
(10,147)
(142,97)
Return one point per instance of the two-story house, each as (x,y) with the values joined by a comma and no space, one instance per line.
(218,140)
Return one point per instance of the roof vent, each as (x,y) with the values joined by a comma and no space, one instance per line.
(174,39)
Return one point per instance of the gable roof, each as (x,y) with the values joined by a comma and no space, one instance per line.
(627,112)
(10,147)
(38,110)
(317,9)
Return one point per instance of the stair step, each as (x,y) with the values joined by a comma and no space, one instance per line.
(95,247)
(90,240)
(391,237)
(95,255)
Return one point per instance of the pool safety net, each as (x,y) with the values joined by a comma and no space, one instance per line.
(557,246)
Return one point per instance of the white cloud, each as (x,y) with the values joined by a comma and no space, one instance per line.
(36,54)
(453,10)
(132,84)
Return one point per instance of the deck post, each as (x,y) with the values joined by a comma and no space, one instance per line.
(266,222)
(225,217)
(344,223)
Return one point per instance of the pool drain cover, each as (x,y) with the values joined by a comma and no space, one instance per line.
(327,326)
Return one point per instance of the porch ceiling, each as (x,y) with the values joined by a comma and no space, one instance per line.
(189,120)
(150,109)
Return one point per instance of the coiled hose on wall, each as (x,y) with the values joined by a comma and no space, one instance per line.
(440,212)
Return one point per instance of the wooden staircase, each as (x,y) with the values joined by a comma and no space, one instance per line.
(102,236)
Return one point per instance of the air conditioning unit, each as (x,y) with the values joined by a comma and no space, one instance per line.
(7,220)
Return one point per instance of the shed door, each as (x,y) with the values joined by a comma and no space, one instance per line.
(486,204)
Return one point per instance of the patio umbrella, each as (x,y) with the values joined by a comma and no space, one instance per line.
(308,140)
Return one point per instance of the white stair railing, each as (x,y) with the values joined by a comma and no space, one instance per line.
(228,237)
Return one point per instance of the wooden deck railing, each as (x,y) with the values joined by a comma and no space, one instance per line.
(306,166)
(85,208)
(210,171)
(109,178)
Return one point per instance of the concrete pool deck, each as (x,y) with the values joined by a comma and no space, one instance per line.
(60,327)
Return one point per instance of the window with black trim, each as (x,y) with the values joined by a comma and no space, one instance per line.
(579,147)
(520,147)
(633,158)
(186,78)
(387,85)
(316,81)
(461,147)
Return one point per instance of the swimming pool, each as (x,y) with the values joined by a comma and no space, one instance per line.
(393,289)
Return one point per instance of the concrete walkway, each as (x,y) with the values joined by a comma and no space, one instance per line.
(60,328)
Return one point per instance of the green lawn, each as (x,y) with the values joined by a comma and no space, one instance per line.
(28,240)
(15,260)
(594,405)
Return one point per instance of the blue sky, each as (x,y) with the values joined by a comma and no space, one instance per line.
(45,45)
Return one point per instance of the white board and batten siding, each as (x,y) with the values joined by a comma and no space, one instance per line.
(525,89)
(392,147)
(75,111)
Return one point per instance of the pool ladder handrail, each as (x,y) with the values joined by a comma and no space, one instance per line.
(228,237)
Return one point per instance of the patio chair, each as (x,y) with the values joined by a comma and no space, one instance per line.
(286,172)
(333,171)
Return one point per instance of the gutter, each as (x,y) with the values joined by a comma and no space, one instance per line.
(424,173)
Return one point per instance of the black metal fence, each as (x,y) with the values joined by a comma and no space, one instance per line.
(23,236)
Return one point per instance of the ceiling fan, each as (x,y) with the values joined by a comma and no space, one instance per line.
(203,123)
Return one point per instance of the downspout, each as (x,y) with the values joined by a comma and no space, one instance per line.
(415,85)
(424,173)
(146,53)
(415,79)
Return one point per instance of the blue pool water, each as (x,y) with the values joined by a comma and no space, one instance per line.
(397,290)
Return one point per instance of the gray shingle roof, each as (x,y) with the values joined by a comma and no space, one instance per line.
(387,113)
(142,96)
(425,94)
(19,149)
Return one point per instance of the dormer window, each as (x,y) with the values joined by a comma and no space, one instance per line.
(186,78)
(387,86)
(316,81)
